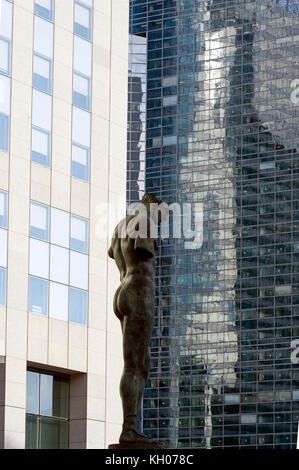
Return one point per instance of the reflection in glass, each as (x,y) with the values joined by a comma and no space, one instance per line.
(39,258)
(81,127)
(2,286)
(83,20)
(31,433)
(4,55)
(32,392)
(78,306)
(53,434)
(79,270)
(80,162)
(44,8)
(38,296)
(41,143)
(82,56)
(81,93)
(42,73)
(79,234)
(41,110)
(39,221)
(59,301)
(46,394)
(60,227)
(3,209)
(59,264)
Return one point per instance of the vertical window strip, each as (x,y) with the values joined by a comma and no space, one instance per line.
(5,72)
(3,245)
(82,74)
(42,82)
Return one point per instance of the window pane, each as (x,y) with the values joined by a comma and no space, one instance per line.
(39,259)
(2,286)
(46,394)
(82,56)
(81,127)
(61,396)
(59,299)
(44,8)
(4,132)
(59,264)
(42,110)
(41,146)
(83,21)
(42,69)
(60,228)
(32,392)
(31,432)
(79,270)
(3,248)
(39,221)
(38,296)
(3,209)
(5,19)
(79,234)
(53,434)
(4,95)
(78,306)
(80,162)
(4,56)
(43,37)
(81,96)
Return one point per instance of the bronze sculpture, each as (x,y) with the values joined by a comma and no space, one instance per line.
(134,307)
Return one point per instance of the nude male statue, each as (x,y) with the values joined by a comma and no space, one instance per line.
(134,307)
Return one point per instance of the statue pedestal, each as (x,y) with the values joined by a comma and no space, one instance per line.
(136,445)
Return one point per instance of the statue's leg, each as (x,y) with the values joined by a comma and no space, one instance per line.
(137,328)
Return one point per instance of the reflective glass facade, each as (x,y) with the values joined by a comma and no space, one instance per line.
(222,130)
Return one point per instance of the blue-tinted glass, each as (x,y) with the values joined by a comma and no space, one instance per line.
(79,234)
(4,132)
(3,209)
(78,306)
(80,162)
(2,286)
(82,20)
(32,392)
(41,146)
(81,94)
(42,73)
(39,221)
(5,55)
(44,8)
(38,296)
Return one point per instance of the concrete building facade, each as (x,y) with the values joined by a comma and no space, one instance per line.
(63,118)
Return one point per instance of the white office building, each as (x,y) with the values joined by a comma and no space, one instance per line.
(63,118)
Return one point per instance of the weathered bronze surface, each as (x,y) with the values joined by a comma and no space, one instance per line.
(134,307)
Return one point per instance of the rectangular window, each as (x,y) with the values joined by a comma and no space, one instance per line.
(5,56)
(39,258)
(79,270)
(60,227)
(80,162)
(81,91)
(83,19)
(44,8)
(3,248)
(2,286)
(82,56)
(4,112)
(43,37)
(59,264)
(42,73)
(3,209)
(41,130)
(47,410)
(59,301)
(41,146)
(78,306)
(39,221)
(38,296)
(79,234)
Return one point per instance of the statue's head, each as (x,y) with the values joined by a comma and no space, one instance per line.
(155,206)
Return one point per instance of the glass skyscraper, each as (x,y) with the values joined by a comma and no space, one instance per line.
(221,130)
